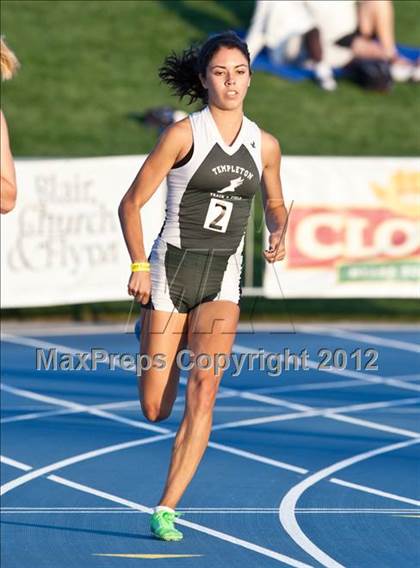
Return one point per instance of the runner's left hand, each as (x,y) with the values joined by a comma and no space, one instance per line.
(277,248)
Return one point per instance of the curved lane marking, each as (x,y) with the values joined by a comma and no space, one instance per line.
(287,509)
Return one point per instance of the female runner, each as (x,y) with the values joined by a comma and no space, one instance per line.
(214,160)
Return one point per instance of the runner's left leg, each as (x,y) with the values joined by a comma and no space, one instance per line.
(211,329)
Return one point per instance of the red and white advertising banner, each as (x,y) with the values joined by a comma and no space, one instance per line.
(353,229)
(63,243)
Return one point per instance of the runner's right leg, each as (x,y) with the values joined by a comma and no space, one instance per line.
(163,333)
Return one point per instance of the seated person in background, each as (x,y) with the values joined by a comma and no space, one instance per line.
(9,64)
(374,38)
(291,34)
(326,34)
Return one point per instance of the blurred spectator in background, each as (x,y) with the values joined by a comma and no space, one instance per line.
(284,28)
(326,34)
(9,65)
(362,35)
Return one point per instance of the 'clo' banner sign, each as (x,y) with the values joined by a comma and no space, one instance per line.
(353,229)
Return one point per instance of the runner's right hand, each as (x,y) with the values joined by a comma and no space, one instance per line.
(140,286)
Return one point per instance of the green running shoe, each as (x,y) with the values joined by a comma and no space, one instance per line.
(162,526)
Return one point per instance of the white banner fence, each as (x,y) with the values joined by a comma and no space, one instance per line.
(353,231)
(63,243)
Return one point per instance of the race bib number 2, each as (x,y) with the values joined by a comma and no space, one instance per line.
(218,215)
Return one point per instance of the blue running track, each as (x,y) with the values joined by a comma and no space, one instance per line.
(309,468)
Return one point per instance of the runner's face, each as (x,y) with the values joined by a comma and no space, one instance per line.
(227,78)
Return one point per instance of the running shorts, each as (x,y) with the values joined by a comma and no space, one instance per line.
(184,278)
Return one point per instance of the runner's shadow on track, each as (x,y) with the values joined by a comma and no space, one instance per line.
(136,536)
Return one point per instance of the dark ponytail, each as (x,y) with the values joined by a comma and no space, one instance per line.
(181,72)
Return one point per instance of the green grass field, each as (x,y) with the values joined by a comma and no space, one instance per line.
(87,64)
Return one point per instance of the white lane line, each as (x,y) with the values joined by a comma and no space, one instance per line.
(76,407)
(200,528)
(375,425)
(376,405)
(265,420)
(15,463)
(48,413)
(256,457)
(197,511)
(333,414)
(29,342)
(374,380)
(225,509)
(272,400)
(35,415)
(312,387)
(287,507)
(359,375)
(377,380)
(410,377)
(351,510)
(34,473)
(374,491)
(235,409)
(364,338)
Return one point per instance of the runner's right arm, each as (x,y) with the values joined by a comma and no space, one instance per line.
(172,146)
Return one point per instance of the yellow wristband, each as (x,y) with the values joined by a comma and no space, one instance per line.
(140,267)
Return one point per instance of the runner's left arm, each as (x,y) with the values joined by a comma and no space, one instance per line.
(274,207)
(8,175)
